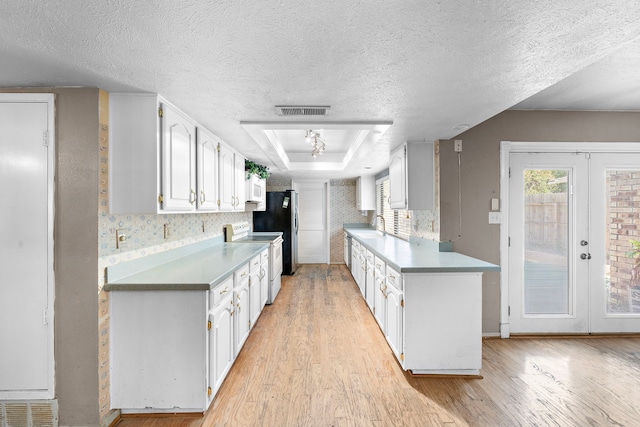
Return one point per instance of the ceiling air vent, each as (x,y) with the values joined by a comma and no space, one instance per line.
(302,110)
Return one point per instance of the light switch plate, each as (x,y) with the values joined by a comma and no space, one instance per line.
(495,217)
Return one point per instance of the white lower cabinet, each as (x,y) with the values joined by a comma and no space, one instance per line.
(379,304)
(221,350)
(254,290)
(370,285)
(242,303)
(159,346)
(432,321)
(394,302)
(172,350)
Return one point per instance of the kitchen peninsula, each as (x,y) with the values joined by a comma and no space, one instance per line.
(427,301)
(178,321)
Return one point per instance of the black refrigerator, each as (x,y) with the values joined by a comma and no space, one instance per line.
(281,214)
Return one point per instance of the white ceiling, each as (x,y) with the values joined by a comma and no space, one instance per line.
(426,66)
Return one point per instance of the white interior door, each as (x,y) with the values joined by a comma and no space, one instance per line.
(313,224)
(574,254)
(26,246)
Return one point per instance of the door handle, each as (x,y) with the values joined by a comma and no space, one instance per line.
(585,256)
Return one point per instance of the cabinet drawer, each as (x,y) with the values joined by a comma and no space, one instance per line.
(394,278)
(221,292)
(355,245)
(264,256)
(241,274)
(370,257)
(380,265)
(254,264)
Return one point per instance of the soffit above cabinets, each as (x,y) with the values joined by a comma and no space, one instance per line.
(346,142)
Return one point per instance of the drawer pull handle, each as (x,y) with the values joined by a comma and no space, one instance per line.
(224,291)
(244,274)
(392,277)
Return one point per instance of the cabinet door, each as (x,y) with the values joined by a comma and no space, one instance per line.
(264,284)
(393,329)
(370,286)
(226,178)
(380,306)
(240,190)
(242,314)
(362,274)
(221,350)
(398,179)
(207,155)
(254,297)
(178,161)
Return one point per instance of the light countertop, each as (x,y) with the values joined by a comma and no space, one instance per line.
(423,257)
(199,266)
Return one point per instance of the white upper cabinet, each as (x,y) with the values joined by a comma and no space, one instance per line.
(411,176)
(232,191)
(156,164)
(134,153)
(239,185)
(178,161)
(226,178)
(366,193)
(207,171)
(152,155)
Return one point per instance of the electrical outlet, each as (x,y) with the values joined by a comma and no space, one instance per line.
(166,231)
(457,145)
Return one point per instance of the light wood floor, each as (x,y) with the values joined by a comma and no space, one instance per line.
(317,358)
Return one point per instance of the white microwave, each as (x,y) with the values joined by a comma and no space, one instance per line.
(256,189)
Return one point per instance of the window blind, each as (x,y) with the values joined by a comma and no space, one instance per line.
(397,222)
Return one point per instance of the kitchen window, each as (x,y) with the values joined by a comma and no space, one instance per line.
(397,222)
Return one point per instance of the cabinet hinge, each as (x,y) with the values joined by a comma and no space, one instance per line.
(160,112)
(249,324)
(209,391)
(218,147)
(509,172)
(402,303)
(402,356)
(160,198)
(45,138)
(209,325)
(509,244)
(218,202)
(45,316)
(509,311)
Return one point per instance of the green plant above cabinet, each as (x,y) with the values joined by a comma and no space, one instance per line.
(253,168)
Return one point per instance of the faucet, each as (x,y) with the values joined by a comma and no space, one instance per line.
(384,224)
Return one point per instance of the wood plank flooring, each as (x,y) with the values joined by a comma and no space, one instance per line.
(316,357)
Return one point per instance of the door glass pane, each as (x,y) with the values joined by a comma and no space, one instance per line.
(622,269)
(546,236)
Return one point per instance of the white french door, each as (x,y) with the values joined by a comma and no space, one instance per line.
(574,266)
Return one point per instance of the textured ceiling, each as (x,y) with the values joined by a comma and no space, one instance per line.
(427,66)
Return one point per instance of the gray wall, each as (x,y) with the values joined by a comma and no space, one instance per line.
(76,253)
(481,178)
